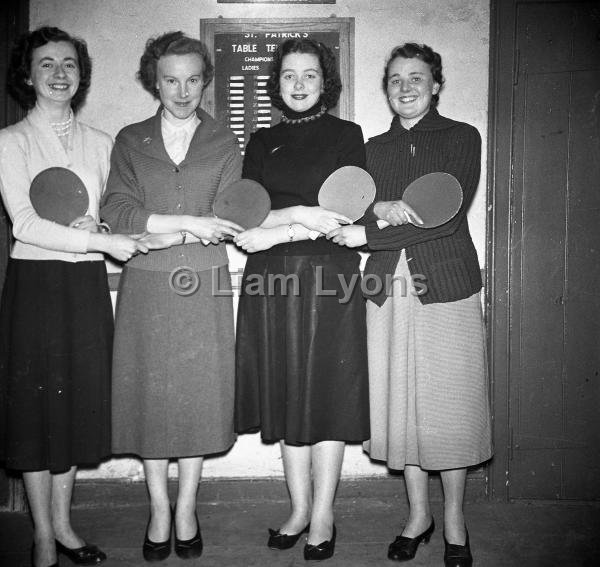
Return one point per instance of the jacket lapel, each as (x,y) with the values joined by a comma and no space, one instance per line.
(151,142)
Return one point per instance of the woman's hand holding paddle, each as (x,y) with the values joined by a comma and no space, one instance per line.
(159,241)
(437,196)
(320,219)
(119,246)
(257,239)
(396,213)
(351,236)
(86,222)
(211,229)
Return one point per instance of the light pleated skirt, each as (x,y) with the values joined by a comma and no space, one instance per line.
(429,400)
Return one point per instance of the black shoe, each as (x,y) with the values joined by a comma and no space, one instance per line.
(84,555)
(457,555)
(322,551)
(189,548)
(156,550)
(277,540)
(404,548)
(32,558)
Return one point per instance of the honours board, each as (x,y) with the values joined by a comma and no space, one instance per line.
(241,99)
(243,51)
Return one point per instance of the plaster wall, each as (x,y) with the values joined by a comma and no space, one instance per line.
(116,31)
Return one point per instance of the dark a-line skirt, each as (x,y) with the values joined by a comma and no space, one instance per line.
(301,356)
(56,330)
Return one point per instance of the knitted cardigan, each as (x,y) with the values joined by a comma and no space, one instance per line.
(144,180)
(443,258)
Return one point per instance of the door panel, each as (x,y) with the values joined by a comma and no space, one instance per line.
(555,261)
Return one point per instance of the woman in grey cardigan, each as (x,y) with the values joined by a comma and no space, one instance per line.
(174,344)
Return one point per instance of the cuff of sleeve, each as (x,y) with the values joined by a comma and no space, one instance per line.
(374,234)
(139,222)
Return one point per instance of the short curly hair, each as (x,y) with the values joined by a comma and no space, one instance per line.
(171,43)
(425,54)
(19,68)
(332,84)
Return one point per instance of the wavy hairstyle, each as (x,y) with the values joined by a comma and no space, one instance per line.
(332,85)
(19,68)
(171,43)
(425,54)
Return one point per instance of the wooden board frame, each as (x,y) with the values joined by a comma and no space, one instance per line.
(344,26)
(276,1)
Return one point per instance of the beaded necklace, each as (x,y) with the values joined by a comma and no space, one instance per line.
(62,129)
(305,119)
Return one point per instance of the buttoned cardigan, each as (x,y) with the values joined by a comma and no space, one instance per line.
(444,258)
(143,180)
(31,146)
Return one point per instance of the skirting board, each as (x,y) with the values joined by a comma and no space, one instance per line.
(100,493)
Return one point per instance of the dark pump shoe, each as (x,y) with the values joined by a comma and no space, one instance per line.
(322,551)
(84,555)
(457,555)
(277,540)
(189,548)
(405,548)
(156,550)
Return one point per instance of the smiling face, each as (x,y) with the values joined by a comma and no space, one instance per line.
(54,73)
(410,86)
(300,80)
(180,83)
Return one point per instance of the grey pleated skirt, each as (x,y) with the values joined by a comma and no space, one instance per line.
(427,381)
(173,367)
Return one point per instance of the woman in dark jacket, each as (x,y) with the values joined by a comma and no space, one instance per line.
(427,371)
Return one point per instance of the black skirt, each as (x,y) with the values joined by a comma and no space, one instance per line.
(56,332)
(301,356)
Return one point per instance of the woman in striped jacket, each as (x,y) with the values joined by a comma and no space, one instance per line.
(427,370)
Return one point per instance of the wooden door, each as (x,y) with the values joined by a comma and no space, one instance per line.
(554,255)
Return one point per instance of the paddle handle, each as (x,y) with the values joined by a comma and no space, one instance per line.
(384,224)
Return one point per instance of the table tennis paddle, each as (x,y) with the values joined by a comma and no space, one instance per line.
(349,190)
(59,195)
(245,202)
(435,197)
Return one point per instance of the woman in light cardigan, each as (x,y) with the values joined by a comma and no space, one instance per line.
(56,317)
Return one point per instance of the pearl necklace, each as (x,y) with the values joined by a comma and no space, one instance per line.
(63,128)
(287,120)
